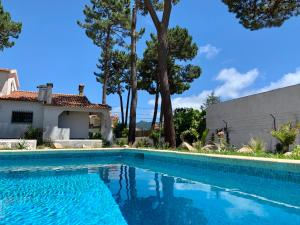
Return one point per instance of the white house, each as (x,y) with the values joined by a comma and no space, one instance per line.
(256,115)
(61,116)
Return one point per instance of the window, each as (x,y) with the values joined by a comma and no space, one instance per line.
(22,117)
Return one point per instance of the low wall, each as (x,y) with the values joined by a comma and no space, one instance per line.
(77,143)
(16,143)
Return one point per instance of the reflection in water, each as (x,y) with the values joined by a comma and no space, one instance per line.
(150,207)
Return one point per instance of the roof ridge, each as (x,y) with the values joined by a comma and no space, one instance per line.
(25,91)
(52,93)
(68,94)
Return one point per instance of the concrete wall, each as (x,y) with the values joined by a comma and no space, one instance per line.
(16,130)
(77,143)
(77,122)
(250,116)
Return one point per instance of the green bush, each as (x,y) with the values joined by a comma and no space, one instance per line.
(120,131)
(204,136)
(122,141)
(257,145)
(189,136)
(22,144)
(94,136)
(296,151)
(34,134)
(143,143)
(155,136)
(125,133)
(186,119)
(286,135)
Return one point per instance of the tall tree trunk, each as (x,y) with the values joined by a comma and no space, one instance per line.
(127,106)
(155,108)
(162,28)
(121,106)
(133,105)
(169,129)
(132,183)
(106,67)
(161,118)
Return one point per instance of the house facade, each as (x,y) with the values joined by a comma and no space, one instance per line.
(60,116)
(256,115)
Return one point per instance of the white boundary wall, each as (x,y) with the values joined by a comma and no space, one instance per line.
(250,116)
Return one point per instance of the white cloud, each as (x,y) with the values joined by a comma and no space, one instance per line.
(152,101)
(286,80)
(116,110)
(209,51)
(191,102)
(234,82)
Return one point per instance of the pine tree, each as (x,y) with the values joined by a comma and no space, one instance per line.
(258,14)
(117,82)
(252,14)
(181,48)
(8,29)
(107,24)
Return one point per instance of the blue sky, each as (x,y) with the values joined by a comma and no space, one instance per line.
(235,61)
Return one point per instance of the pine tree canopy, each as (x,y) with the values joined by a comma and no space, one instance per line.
(107,17)
(8,29)
(181,48)
(119,73)
(257,14)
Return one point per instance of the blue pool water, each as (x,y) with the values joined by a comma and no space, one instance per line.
(133,189)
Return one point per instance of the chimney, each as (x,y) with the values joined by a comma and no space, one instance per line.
(81,89)
(42,95)
(49,93)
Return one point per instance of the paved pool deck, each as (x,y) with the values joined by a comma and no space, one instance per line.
(53,151)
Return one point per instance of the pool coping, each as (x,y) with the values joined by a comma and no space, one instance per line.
(220,156)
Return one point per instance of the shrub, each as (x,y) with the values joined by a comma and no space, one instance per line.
(257,144)
(122,141)
(34,134)
(106,143)
(189,136)
(120,131)
(22,144)
(286,135)
(204,136)
(143,143)
(125,133)
(164,145)
(155,136)
(296,151)
(96,135)
(186,119)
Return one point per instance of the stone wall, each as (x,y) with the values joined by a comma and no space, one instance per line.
(15,143)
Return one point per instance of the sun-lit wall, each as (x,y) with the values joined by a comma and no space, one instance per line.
(250,116)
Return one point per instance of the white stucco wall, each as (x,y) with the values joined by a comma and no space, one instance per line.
(16,130)
(250,116)
(106,125)
(75,125)
(77,122)
(7,85)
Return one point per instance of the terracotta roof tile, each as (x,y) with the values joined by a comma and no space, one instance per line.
(66,100)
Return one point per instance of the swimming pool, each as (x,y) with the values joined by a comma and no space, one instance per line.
(140,187)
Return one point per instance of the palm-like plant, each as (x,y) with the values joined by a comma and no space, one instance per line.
(257,145)
(286,135)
